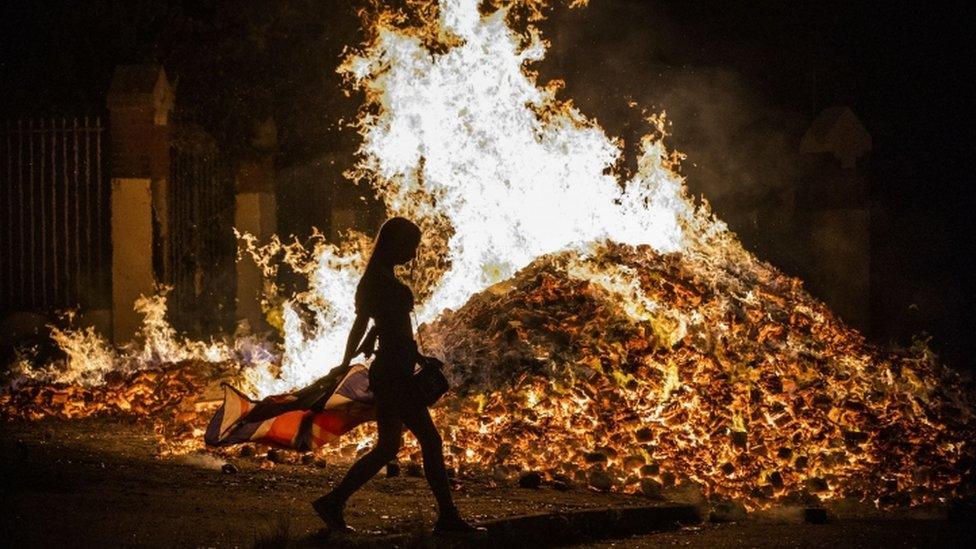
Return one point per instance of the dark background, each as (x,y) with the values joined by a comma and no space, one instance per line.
(740,81)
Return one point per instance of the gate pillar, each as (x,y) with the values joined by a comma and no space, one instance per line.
(255,213)
(139,102)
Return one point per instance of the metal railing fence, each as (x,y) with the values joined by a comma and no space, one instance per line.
(55,249)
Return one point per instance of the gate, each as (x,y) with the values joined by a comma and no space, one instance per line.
(55,249)
(202,247)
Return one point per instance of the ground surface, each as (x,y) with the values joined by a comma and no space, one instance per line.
(96,483)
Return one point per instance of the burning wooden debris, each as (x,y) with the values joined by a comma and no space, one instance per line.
(177,398)
(630,370)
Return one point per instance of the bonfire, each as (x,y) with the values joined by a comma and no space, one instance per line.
(601,328)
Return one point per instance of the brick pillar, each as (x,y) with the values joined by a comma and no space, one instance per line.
(841,243)
(139,102)
(255,214)
(833,209)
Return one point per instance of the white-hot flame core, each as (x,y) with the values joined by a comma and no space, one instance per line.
(459,134)
(307,357)
(464,127)
(88,358)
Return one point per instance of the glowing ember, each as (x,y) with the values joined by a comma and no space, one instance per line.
(638,345)
(731,376)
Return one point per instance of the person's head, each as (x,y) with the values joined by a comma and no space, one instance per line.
(396,243)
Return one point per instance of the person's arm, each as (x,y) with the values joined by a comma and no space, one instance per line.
(355,337)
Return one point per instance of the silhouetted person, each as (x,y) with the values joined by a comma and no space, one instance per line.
(386,300)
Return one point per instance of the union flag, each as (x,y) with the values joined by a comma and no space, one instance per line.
(303,420)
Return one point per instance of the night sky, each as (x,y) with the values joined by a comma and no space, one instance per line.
(905,68)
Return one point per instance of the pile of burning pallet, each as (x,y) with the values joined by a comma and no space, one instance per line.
(177,399)
(622,369)
(626,369)
(144,393)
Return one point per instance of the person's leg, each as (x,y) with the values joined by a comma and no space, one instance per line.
(387,445)
(390,436)
(417,418)
(449,521)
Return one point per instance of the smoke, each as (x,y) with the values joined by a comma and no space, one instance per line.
(619,59)
(741,151)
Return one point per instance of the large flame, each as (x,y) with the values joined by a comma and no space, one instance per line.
(467,143)
(467,134)
(495,167)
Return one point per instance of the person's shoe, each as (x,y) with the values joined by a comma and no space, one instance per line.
(454,525)
(330,511)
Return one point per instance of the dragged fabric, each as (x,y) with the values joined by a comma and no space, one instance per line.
(303,420)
